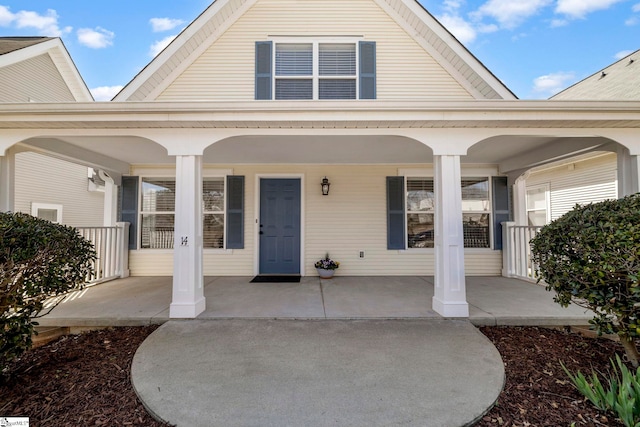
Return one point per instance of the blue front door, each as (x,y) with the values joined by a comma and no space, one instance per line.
(279,226)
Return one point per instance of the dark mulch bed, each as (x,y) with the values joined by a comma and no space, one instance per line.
(537,391)
(85,379)
(78,380)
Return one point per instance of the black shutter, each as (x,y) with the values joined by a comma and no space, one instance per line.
(367,70)
(500,208)
(235,212)
(263,70)
(395,212)
(129,208)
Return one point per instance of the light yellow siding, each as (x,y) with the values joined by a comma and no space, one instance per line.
(225,71)
(43,179)
(35,79)
(351,219)
(581,182)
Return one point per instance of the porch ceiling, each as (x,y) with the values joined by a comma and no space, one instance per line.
(334,149)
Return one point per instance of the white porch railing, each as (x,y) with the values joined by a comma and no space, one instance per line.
(112,250)
(516,251)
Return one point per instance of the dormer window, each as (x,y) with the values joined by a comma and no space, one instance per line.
(315,70)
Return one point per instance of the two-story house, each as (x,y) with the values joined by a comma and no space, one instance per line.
(270,132)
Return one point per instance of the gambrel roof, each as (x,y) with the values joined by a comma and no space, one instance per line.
(619,81)
(416,21)
(39,69)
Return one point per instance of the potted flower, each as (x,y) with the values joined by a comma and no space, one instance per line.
(326,267)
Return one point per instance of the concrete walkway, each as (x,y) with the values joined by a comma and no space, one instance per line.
(266,373)
(351,351)
(145,300)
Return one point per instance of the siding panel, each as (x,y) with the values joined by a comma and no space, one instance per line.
(582,182)
(225,71)
(35,79)
(43,179)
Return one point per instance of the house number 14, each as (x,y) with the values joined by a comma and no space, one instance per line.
(184,241)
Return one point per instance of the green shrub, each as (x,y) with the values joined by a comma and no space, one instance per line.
(621,396)
(591,257)
(38,260)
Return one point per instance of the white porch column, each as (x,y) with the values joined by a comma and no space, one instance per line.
(110,208)
(188,293)
(520,200)
(450,299)
(122,249)
(7,181)
(628,173)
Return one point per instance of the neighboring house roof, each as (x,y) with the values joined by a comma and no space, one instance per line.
(39,69)
(9,44)
(222,14)
(618,81)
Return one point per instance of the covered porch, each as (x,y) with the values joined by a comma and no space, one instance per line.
(358,145)
(146,300)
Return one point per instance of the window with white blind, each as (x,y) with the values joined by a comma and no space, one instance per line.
(315,71)
(158,213)
(476,216)
(538,205)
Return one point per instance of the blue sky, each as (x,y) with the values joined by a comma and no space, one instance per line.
(536,47)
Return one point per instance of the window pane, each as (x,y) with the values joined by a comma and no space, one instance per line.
(158,195)
(48,214)
(337,59)
(294,59)
(294,89)
(475,228)
(475,194)
(537,218)
(337,89)
(213,231)
(420,230)
(213,194)
(537,198)
(420,196)
(157,231)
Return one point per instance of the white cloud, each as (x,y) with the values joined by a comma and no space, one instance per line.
(164,24)
(6,17)
(159,46)
(580,8)
(460,28)
(552,83)
(105,93)
(636,7)
(45,25)
(631,21)
(95,39)
(510,13)
(555,23)
(622,54)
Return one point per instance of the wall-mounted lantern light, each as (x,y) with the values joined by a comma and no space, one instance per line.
(325,186)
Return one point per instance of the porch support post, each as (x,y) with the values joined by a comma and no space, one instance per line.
(628,173)
(110,200)
(122,249)
(520,200)
(7,181)
(188,291)
(450,299)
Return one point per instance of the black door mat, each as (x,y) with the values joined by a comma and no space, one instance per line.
(276,279)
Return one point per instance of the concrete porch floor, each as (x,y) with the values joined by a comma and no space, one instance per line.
(145,300)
